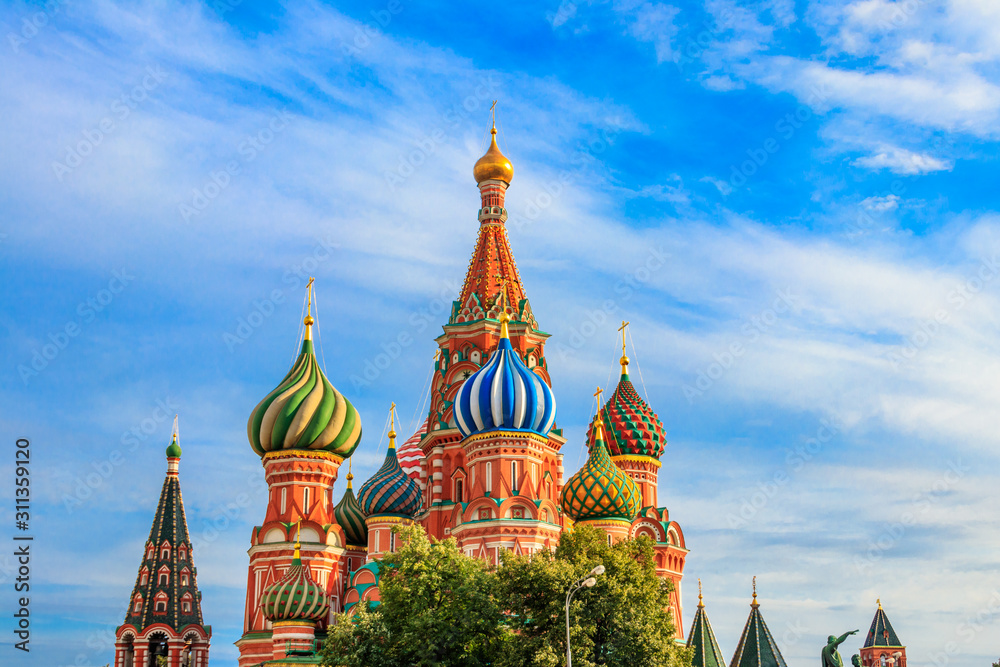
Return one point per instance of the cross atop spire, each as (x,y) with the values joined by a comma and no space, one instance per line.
(493,112)
(392,426)
(624,359)
(308,321)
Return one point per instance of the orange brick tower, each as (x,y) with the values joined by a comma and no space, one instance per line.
(302,430)
(494,484)
(636,439)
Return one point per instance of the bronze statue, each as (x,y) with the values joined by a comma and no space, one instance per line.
(831,658)
(856,660)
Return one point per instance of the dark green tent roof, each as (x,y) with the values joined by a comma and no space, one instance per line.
(881,632)
(757,647)
(701,638)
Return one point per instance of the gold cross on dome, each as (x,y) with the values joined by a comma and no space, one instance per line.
(493,112)
(622,329)
(598,395)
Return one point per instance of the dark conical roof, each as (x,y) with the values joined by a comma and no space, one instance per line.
(757,647)
(701,638)
(167,552)
(881,632)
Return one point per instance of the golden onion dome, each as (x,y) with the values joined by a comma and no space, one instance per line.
(494,165)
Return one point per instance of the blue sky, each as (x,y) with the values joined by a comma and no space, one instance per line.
(792,202)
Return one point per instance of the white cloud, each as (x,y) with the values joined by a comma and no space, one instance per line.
(651,22)
(903,161)
(889,202)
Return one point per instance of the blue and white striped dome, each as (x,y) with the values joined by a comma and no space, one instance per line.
(504,395)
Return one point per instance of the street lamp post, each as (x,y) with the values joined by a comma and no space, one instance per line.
(586,581)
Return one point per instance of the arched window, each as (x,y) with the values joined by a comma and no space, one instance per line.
(513,475)
(392,541)
(489,477)
(182,552)
(459,491)
(137,605)
(161,606)
(163,579)
(284,499)
(143,577)
(150,550)
(186,604)
(305,500)
(165,551)
(350,565)
(185,579)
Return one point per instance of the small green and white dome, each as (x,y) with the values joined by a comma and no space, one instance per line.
(296,596)
(305,411)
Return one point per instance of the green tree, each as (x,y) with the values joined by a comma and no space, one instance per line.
(438,609)
(623,620)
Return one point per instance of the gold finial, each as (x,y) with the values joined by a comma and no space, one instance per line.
(624,359)
(298,540)
(754,603)
(350,472)
(598,421)
(392,426)
(701,600)
(878,601)
(504,317)
(309,303)
(493,165)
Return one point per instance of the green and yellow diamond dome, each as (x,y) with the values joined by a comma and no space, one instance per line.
(600,490)
(296,596)
(305,411)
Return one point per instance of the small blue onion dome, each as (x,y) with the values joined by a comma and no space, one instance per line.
(390,491)
(504,395)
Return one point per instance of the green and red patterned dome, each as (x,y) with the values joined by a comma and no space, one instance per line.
(632,428)
(349,516)
(305,411)
(600,490)
(296,596)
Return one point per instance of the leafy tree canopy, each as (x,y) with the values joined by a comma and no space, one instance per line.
(441,608)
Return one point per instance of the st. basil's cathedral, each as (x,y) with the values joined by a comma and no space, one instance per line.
(485,468)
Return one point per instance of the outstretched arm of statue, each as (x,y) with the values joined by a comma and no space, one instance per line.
(843,637)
